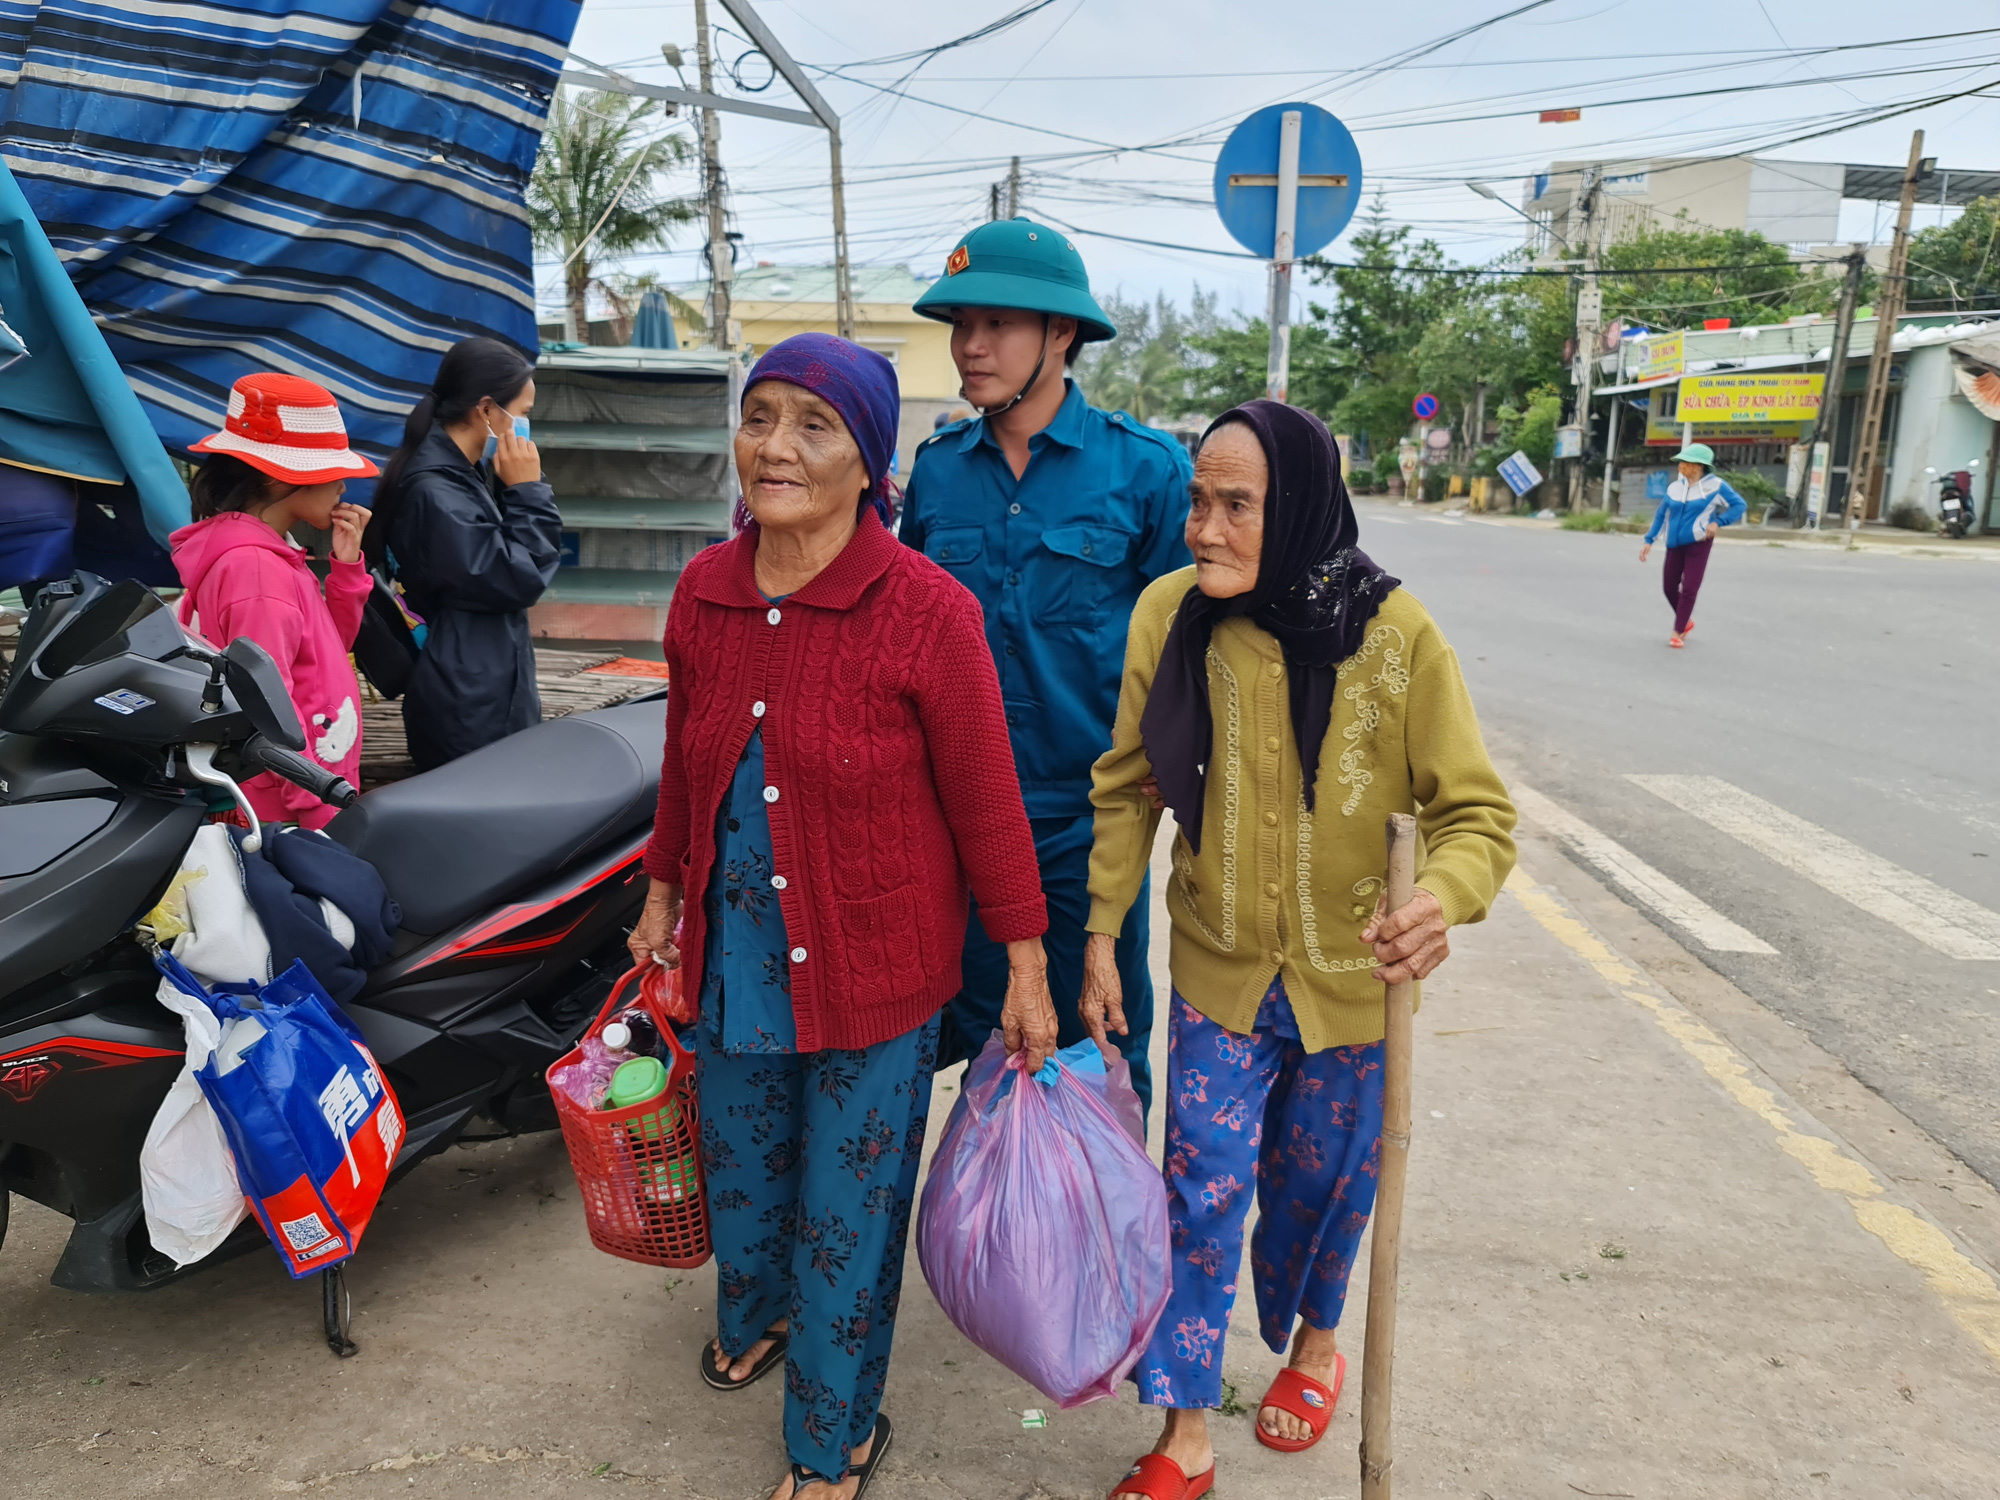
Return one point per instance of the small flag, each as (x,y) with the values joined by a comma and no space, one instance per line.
(1560,116)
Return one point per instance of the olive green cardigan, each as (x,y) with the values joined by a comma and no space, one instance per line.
(1277,888)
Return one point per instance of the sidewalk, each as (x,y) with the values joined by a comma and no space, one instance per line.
(1633,1267)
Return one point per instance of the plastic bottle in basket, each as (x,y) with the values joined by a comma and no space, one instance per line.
(666,1172)
(586,1080)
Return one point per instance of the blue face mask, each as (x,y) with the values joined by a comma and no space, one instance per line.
(493,443)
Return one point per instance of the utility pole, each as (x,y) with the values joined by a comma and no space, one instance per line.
(843,280)
(1864,474)
(766,41)
(1278,368)
(992,202)
(1589,322)
(1014,188)
(720,271)
(1825,428)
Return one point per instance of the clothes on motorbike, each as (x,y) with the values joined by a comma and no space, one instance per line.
(244,579)
(471,557)
(290,894)
(316,865)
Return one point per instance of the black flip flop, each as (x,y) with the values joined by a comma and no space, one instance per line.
(781,1341)
(802,1476)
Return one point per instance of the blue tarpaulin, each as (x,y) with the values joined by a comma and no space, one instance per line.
(331,188)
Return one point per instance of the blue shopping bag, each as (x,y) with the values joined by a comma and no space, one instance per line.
(313,1125)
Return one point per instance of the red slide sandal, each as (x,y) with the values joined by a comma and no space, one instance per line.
(1311,1401)
(1158,1477)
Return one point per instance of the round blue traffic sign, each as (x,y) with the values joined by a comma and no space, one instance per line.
(1425,406)
(1246,180)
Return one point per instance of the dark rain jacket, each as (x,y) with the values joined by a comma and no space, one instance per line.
(471,558)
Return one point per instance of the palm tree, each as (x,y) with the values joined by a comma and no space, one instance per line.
(595,194)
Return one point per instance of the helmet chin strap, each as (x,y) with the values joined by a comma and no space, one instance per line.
(1022,393)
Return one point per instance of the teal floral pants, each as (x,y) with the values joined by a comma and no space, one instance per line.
(812,1168)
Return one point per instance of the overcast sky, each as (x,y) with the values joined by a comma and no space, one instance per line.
(1078,78)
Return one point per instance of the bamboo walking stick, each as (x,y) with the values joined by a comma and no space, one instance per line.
(1378,1356)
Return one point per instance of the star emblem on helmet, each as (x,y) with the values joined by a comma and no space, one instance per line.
(960,259)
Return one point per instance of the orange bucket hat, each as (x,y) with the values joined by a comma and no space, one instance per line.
(290,429)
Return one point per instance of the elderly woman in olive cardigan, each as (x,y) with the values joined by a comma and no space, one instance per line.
(1283,696)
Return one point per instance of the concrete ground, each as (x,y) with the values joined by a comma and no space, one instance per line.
(1639,1262)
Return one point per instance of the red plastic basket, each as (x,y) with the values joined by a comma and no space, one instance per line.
(639,1168)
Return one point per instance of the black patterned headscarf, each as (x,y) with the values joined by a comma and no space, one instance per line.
(1316,592)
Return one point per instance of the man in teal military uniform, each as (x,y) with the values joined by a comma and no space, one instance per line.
(1056,515)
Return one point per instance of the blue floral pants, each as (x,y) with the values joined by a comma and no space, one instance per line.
(812,1165)
(1305,1127)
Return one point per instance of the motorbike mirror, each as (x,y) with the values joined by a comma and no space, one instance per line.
(259,690)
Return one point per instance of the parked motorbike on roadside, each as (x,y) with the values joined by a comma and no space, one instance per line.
(517,869)
(1954,502)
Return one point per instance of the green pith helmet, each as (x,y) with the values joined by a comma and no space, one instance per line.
(1696,453)
(1018,263)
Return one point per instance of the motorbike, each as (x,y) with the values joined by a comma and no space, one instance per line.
(517,869)
(1955,503)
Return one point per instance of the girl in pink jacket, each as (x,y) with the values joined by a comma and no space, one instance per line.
(281,458)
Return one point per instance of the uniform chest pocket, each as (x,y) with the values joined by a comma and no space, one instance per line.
(1078,580)
(955,546)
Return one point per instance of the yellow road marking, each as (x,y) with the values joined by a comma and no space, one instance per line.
(1968,1292)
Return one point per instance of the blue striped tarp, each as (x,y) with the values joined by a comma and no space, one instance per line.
(327,187)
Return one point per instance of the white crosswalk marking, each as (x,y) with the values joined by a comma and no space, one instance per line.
(1638,879)
(1934,916)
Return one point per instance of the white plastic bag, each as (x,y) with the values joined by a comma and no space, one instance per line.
(187,1178)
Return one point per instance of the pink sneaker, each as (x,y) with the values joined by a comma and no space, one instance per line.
(1676,642)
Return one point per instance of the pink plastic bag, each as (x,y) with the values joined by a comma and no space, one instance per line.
(1043,1231)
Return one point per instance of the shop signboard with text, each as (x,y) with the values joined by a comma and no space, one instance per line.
(1762,399)
(1663,426)
(1656,358)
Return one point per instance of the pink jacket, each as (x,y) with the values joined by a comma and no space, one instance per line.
(243,579)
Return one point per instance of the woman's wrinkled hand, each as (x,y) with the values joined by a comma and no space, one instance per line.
(1028,1016)
(1102,1003)
(652,941)
(1150,785)
(1409,942)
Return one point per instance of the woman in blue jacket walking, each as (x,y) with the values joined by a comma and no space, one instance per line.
(1698,505)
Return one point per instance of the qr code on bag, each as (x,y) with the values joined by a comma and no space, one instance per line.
(303,1234)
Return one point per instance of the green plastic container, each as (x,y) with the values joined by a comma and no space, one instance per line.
(666,1172)
(635,1082)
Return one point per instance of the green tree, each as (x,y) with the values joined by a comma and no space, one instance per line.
(1384,299)
(1530,425)
(1233,366)
(595,194)
(1753,280)
(1144,370)
(1958,264)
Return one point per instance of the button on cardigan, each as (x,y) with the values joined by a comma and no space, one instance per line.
(891,783)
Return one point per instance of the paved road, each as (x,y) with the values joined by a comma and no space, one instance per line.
(1817,767)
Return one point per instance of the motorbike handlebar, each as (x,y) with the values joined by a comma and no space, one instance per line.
(334,791)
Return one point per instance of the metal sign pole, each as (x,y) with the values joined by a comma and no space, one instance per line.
(1278,373)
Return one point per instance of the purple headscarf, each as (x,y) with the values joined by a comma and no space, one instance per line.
(856,382)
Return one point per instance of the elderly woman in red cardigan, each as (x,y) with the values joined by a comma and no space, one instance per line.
(837,773)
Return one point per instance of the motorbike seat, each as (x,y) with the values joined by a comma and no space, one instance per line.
(452,841)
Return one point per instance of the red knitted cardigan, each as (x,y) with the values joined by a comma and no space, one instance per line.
(886,746)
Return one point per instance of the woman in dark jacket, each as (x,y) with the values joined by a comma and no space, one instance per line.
(471,531)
